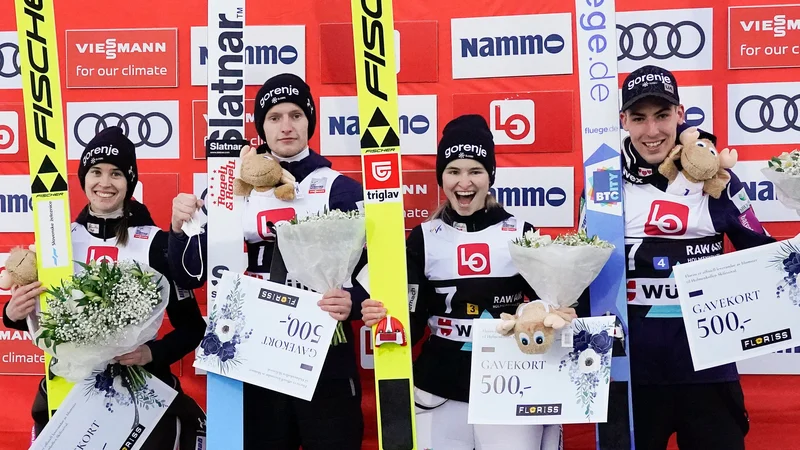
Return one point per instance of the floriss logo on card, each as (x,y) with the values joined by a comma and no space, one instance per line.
(415,62)
(773,337)
(382,180)
(541,196)
(137,58)
(763,36)
(9,132)
(152,126)
(16,204)
(679,39)
(340,125)
(200,126)
(764,113)
(277,49)
(761,194)
(507,46)
(9,61)
(522,122)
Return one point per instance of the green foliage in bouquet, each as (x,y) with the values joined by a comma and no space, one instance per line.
(96,304)
(532,239)
(787,162)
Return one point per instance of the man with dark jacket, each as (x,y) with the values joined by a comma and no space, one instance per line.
(285,118)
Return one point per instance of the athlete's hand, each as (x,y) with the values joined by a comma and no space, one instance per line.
(569,311)
(372,311)
(138,357)
(23,301)
(183,207)
(337,303)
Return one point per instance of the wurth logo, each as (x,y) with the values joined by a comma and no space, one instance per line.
(452,329)
(652,291)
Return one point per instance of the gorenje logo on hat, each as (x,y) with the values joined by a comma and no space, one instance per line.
(465,150)
(646,80)
(283,90)
(103,150)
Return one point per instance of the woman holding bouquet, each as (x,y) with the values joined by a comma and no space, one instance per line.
(460,268)
(115,227)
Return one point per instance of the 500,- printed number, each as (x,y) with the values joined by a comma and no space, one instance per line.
(718,324)
(302,329)
(500,384)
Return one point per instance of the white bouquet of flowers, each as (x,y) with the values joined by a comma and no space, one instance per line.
(321,251)
(784,172)
(559,269)
(102,312)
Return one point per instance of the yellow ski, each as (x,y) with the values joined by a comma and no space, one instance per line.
(47,156)
(373,32)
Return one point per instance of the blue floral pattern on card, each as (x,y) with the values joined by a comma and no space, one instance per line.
(589,363)
(787,260)
(226,330)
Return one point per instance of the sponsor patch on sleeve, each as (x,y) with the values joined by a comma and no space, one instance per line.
(741,200)
(749,221)
(413,295)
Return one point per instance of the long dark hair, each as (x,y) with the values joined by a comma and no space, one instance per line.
(122,227)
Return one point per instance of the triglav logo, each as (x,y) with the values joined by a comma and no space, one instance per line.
(512,121)
(381,170)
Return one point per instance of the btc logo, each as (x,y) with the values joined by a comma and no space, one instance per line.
(473,259)
(108,255)
(667,218)
(512,121)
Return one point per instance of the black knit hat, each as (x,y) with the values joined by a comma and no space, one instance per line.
(113,147)
(285,87)
(466,136)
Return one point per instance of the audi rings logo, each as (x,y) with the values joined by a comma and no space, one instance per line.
(770,110)
(152,129)
(661,40)
(9,60)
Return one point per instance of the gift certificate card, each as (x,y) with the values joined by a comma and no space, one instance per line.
(268,334)
(567,384)
(742,304)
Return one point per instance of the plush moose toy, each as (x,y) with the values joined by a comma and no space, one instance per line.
(20,268)
(700,165)
(262,173)
(534,325)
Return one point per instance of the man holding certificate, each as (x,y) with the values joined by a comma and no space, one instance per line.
(285,118)
(666,224)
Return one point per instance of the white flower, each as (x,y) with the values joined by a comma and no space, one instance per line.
(225,330)
(118,384)
(77,295)
(589,361)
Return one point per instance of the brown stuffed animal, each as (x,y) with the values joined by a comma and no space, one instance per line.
(534,326)
(20,268)
(262,173)
(700,163)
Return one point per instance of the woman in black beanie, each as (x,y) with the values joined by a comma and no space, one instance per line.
(459,268)
(114,227)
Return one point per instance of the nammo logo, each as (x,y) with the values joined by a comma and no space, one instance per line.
(102,254)
(473,259)
(666,218)
(512,121)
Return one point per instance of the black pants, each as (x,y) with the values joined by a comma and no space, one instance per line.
(331,420)
(183,408)
(709,416)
